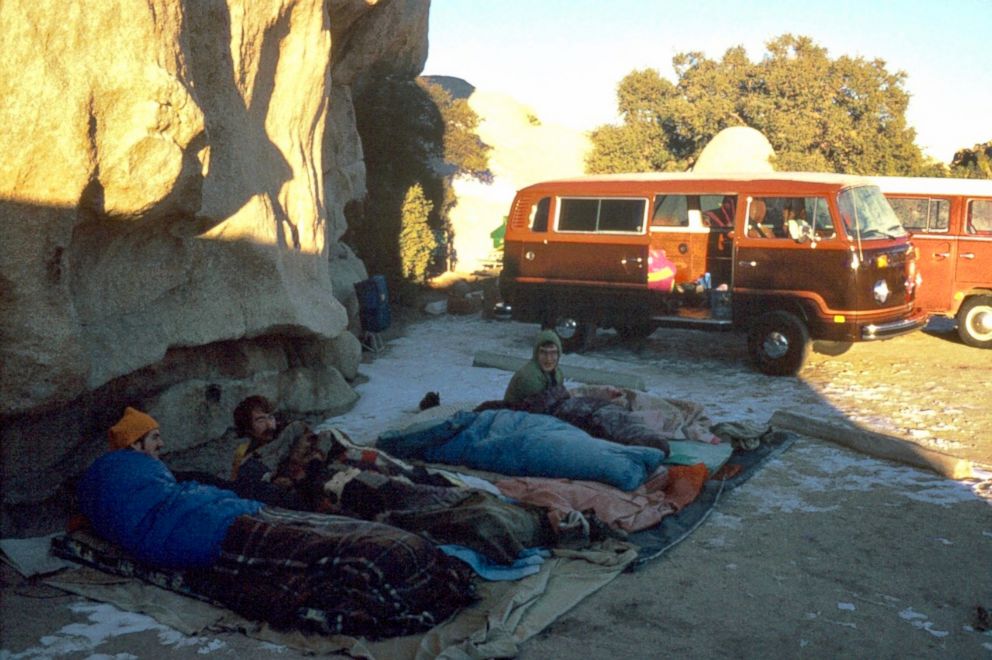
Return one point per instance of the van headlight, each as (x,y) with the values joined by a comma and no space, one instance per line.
(881,291)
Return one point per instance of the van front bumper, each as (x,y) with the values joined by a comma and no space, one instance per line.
(874,331)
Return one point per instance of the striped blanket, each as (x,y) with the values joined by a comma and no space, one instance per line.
(334,575)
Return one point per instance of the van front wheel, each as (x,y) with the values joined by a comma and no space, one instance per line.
(975,322)
(778,343)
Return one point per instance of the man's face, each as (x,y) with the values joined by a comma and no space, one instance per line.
(151,443)
(547,357)
(263,425)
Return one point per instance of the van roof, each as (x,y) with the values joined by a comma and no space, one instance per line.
(934,186)
(825,178)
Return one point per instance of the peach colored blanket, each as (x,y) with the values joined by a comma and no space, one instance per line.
(669,490)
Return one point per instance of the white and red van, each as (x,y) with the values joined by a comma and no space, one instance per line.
(951,224)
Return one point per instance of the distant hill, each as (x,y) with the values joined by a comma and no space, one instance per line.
(458,88)
(525,150)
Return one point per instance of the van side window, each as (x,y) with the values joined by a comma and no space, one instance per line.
(602,215)
(718,210)
(670,211)
(922,214)
(769,217)
(765,217)
(818,211)
(539,215)
(980,217)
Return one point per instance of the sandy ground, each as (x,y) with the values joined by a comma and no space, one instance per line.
(824,553)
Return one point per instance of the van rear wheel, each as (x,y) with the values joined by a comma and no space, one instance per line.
(634,330)
(975,322)
(576,336)
(778,343)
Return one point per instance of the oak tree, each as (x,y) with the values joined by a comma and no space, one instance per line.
(844,114)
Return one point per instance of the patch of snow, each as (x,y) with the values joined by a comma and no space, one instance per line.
(718,519)
(106,622)
(849,471)
(212,645)
(846,606)
(921,621)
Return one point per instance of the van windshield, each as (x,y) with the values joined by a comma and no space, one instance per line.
(866,213)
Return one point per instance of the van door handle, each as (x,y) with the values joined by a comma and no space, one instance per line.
(752,264)
(941,255)
(968,255)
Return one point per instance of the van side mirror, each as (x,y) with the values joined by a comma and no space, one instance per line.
(800,231)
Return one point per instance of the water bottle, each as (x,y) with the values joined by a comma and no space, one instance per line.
(707,281)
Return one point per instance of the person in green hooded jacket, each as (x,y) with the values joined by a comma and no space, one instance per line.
(540,373)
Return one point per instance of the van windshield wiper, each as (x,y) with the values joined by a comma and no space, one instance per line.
(887,233)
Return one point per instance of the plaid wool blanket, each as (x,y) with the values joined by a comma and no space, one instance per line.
(335,575)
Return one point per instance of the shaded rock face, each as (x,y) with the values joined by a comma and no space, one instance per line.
(171,199)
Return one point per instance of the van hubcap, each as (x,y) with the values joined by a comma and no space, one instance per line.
(980,322)
(566,328)
(776,345)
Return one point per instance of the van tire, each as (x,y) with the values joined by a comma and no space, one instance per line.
(576,336)
(975,322)
(778,343)
(634,330)
(831,348)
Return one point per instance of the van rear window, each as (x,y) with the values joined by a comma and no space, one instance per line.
(980,217)
(602,215)
(539,215)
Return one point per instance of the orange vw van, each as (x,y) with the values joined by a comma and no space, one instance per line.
(951,223)
(786,257)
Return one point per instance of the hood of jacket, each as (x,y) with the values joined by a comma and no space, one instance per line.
(544,337)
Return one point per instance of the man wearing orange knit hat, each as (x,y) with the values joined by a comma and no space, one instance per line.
(327,574)
(136,430)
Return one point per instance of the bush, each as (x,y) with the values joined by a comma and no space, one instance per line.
(417,241)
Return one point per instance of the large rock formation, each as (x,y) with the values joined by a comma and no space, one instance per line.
(736,149)
(525,150)
(171,199)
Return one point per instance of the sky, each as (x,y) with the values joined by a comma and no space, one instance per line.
(564,58)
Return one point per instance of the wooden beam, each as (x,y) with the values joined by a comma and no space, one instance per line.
(581,374)
(874,444)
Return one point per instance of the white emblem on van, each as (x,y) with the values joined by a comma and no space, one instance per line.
(881,291)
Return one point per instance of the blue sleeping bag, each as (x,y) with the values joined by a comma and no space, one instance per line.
(523,444)
(134,501)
